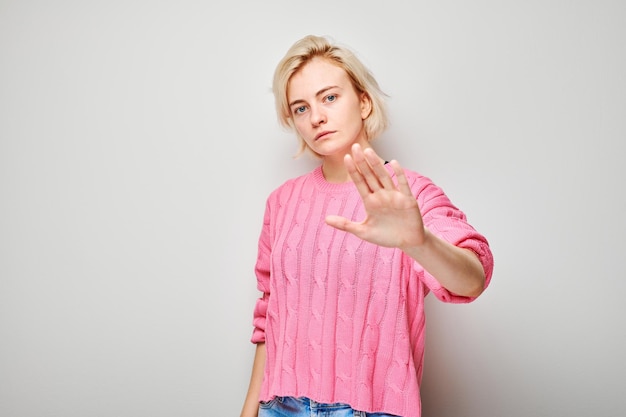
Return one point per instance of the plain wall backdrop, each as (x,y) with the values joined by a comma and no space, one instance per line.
(138,142)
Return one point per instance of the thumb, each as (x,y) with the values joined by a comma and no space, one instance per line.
(340,223)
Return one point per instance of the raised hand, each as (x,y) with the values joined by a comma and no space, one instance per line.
(393,216)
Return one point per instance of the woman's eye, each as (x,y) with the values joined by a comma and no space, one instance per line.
(331,97)
(300,109)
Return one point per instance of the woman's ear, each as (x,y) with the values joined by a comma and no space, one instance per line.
(366,105)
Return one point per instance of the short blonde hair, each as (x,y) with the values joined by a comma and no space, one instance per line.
(362,79)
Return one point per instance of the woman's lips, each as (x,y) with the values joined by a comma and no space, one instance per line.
(323,134)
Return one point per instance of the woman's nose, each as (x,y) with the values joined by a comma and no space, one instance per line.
(318,117)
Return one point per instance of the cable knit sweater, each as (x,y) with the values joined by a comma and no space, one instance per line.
(343,319)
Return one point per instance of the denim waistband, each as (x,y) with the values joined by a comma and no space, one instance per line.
(314,405)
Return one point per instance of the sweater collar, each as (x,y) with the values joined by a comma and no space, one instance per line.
(330,187)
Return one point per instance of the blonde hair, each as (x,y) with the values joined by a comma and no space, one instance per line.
(362,79)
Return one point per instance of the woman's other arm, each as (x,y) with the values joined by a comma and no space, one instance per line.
(251,404)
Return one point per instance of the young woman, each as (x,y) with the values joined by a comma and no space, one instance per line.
(347,254)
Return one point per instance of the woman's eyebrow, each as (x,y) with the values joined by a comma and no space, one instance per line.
(319,93)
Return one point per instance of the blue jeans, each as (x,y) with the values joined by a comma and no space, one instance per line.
(303,407)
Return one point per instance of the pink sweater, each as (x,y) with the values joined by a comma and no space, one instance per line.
(343,319)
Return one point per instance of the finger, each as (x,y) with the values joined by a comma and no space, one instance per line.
(403,184)
(357,178)
(379,169)
(365,169)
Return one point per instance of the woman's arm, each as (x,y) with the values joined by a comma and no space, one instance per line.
(394,220)
(251,404)
(457,269)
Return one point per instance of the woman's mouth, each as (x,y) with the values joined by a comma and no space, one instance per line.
(324,134)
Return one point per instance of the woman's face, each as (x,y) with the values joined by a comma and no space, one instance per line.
(325,108)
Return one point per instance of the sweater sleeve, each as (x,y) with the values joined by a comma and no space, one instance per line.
(449,223)
(262,271)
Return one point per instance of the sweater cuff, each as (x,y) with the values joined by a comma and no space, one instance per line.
(260,319)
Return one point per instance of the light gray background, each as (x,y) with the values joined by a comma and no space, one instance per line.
(138,143)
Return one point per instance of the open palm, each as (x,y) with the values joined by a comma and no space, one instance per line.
(393,216)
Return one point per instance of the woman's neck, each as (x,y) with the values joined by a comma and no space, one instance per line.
(334,169)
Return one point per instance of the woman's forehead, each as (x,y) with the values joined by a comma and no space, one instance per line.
(316,74)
